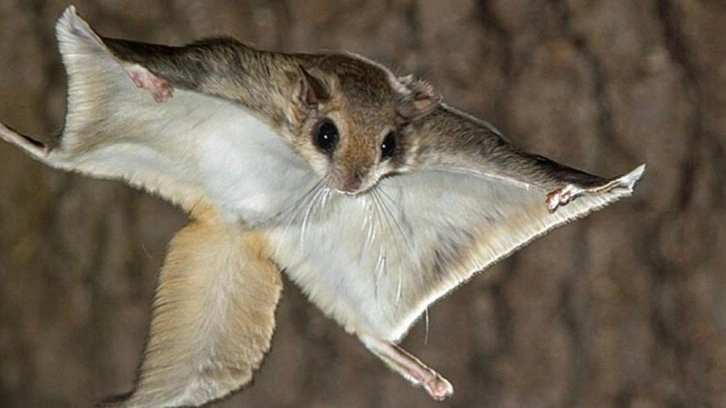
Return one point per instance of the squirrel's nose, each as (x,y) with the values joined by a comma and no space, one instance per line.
(350,183)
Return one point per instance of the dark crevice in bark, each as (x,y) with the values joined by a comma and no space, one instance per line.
(605,129)
(666,318)
(480,363)
(492,26)
(97,323)
(503,312)
(413,23)
(674,42)
(717,157)
(669,311)
(52,72)
(287,20)
(624,398)
(577,346)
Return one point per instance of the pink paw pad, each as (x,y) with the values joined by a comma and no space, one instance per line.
(439,388)
(158,87)
(562,196)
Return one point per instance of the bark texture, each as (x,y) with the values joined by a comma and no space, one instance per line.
(624,308)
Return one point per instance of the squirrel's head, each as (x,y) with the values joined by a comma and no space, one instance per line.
(355,120)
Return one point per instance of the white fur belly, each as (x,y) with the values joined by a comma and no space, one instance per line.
(351,259)
(375,264)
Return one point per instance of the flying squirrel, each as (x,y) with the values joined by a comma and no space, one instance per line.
(366,189)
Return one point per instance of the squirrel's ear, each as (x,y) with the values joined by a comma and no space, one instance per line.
(313,89)
(421,101)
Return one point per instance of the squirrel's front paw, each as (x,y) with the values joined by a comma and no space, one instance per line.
(562,196)
(143,78)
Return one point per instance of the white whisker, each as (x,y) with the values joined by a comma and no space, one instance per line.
(399,289)
(426,322)
(306,218)
(369,225)
(380,268)
(291,215)
(383,210)
(385,201)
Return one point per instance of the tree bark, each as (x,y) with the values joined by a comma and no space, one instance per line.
(624,308)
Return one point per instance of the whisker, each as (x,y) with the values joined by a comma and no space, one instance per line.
(326,198)
(291,215)
(369,225)
(426,322)
(380,269)
(306,217)
(383,210)
(399,289)
(316,206)
(385,201)
(292,208)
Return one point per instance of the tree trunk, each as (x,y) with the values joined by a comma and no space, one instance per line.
(624,308)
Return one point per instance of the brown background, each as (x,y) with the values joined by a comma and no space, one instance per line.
(625,308)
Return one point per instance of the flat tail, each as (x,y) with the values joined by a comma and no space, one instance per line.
(213,318)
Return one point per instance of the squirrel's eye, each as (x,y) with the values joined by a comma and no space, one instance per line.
(388,147)
(326,136)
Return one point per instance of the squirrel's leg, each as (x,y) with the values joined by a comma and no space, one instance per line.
(409,367)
